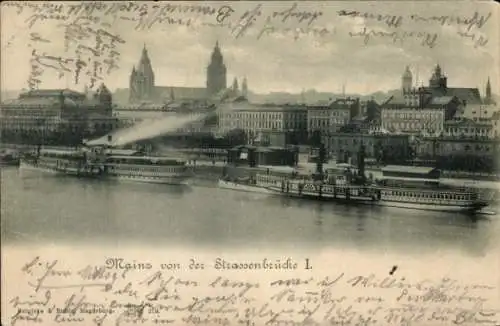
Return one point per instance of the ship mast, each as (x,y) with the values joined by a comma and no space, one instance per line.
(361,161)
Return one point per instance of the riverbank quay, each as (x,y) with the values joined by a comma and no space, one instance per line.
(205,170)
(208,155)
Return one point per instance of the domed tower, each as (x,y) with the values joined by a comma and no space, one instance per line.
(104,96)
(438,80)
(407,80)
(216,72)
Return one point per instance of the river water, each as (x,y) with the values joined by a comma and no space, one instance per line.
(74,223)
(40,208)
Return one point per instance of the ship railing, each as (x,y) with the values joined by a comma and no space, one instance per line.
(444,188)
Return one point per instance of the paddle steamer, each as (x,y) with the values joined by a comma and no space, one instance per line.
(108,163)
(400,186)
(135,167)
(420,188)
(61,161)
(340,184)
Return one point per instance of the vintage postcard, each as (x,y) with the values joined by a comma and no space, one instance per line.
(283,163)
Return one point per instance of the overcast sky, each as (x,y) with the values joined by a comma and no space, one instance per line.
(277,61)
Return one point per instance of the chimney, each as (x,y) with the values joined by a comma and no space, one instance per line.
(110,139)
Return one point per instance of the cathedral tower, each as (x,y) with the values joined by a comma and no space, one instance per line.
(406,80)
(216,72)
(142,80)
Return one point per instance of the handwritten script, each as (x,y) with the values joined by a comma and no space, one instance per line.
(257,20)
(205,293)
(92,30)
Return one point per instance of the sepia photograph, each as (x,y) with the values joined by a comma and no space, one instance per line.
(274,163)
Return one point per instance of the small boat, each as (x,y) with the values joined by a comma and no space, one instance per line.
(9,158)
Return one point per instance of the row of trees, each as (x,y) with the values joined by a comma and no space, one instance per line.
(469,163)
(200,140)
(64,136)
(393,154)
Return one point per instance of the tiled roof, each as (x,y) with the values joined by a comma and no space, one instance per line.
(441,100)
(32,101)
(470,95)
(181,93)
(408,169)
(246,106)
(51,92)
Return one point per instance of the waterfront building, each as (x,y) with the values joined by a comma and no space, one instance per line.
(57,116)
(478,111)
(466,128)
(262,121)
(495,121)
(324,120)
(465,154)
(257,156)
(411,120)
(330,118)
(438,87)
(423,110)
(343,147)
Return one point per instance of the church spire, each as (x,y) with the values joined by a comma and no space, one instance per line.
(488,89)
(217,55)
(172,96)
(216,72)
(244,87)
(145,62)
(488,99)
(235,85)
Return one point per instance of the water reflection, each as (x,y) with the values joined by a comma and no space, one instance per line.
(50,209)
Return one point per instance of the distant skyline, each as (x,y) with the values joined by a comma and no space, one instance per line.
(277,63)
